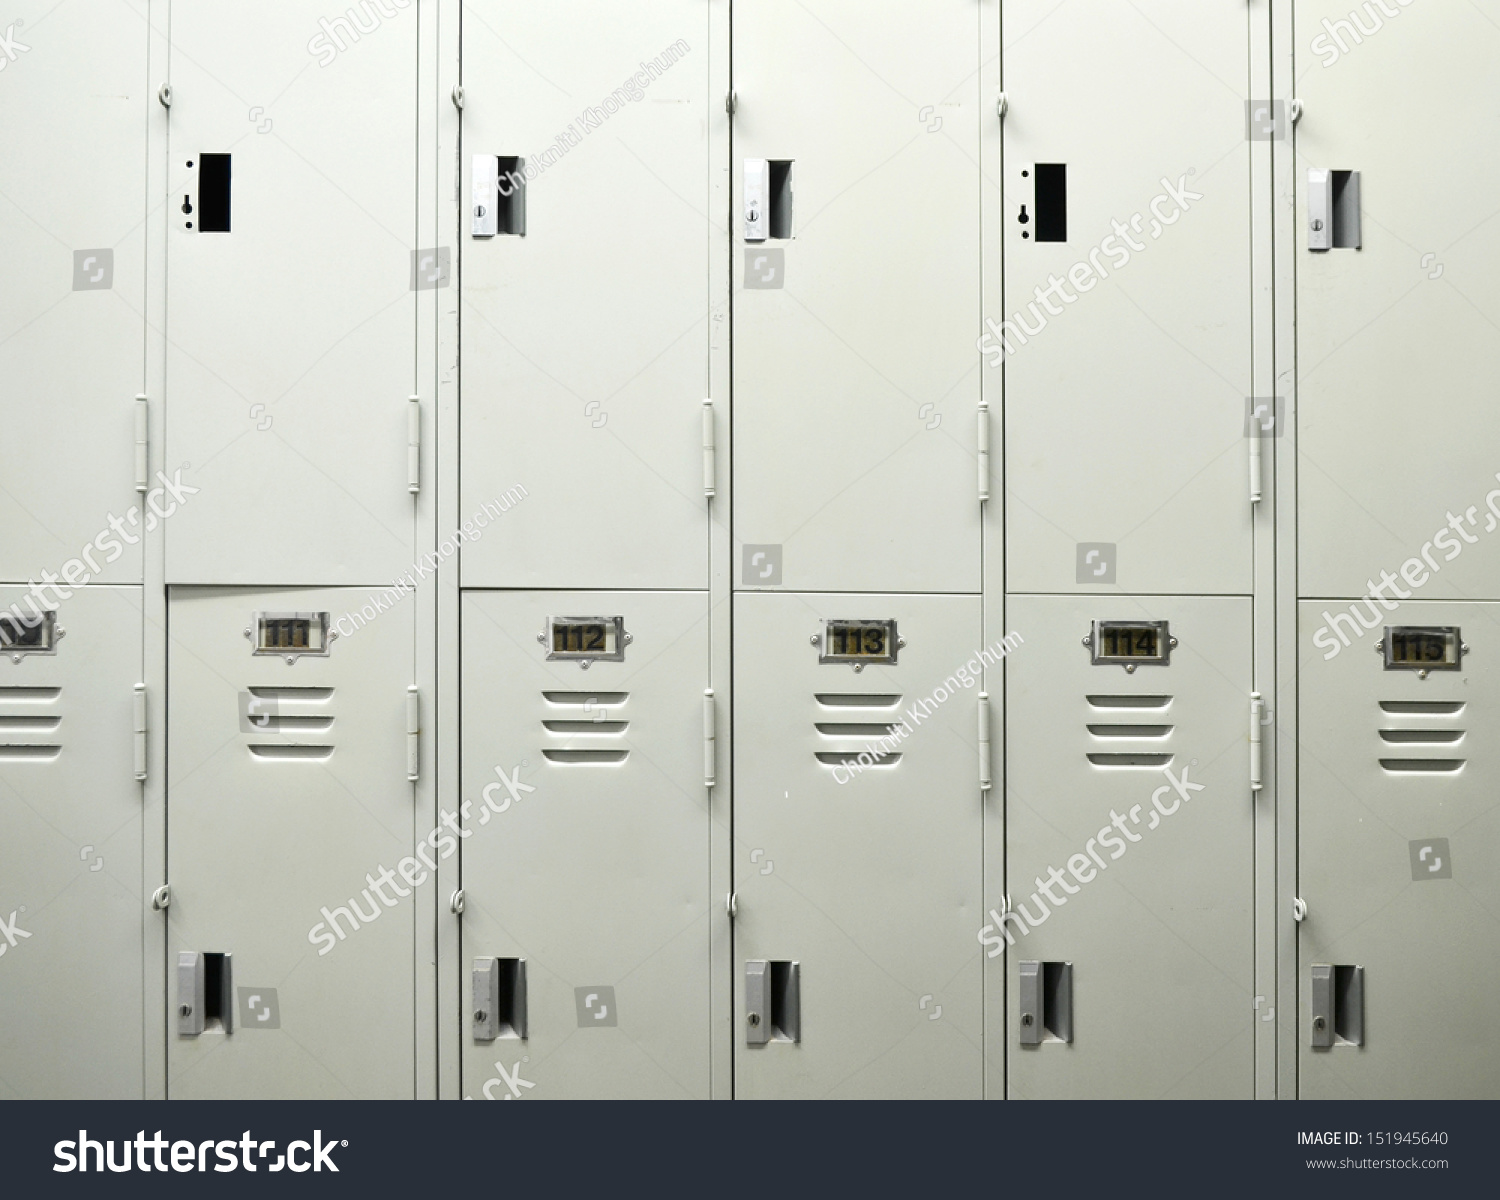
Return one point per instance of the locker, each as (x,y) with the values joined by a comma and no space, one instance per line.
(291,825)
(71,329)
(856,377)
(1134,786)
(292,255)
(857,899)
(1125,337)
(586,825)
(1397,859)
(588,313)
(70,850)
(1402,331)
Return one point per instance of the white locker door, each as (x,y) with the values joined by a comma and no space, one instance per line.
(1399,860)
(1398,341)
(586,840)
(1127,382)
(869,881)
(855,371)
(70,856)
(72,221)
(289,811)
(586,341)
(290,338)
(1154,907)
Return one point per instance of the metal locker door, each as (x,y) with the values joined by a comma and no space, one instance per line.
(586,839)
(1397,863)
(1398,339)
(856,377)
(291,301)
(71,330)
(1130,856)
(587,311)
(1125,338)
(862,891)
(289,812)
(70,849)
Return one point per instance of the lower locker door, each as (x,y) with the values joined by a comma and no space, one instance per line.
(290,815)
(1128,963)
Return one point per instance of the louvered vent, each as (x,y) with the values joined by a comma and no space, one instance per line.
(583,728)
(850,723)
(298,717)
(29,724)
(1129,732)
(1420,736)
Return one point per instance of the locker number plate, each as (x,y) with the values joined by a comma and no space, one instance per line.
(1423,648)
(585,639)
(18,637)
(858,642)
(289,634)
(1131,643)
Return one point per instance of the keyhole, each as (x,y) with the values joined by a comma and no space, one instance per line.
(1023,218)
(187,204)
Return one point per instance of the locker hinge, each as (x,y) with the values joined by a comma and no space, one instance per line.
(710,747)
(731,102)
(142,443)
(984,451)
(1257,706)
(413,732)
(1001,104)
(161,899)
(1255,470)
(709,481)
(732,905)
(984,741)
(456,903)
(140,732)
(414,445)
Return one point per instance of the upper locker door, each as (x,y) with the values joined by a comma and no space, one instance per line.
(587,314)
(72,221)
(1399,855)
(291,318)
(70,852)
(1398,322)
(585,843)
(1134,890)
(865,873)
(1126,332)
(292,825)
(856,259)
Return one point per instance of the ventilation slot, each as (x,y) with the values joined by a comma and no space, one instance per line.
(1423,708)
(292,753)
(29,695)
(586,726)
(1422,766)
(1130,731)
(315,695)
(287,724)
(586,757)
(18,724)
(847,758)
(1153,762)
(601,699)
(1106,702)
(855,700)
(29,753)
(852,729)
(1423,737)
